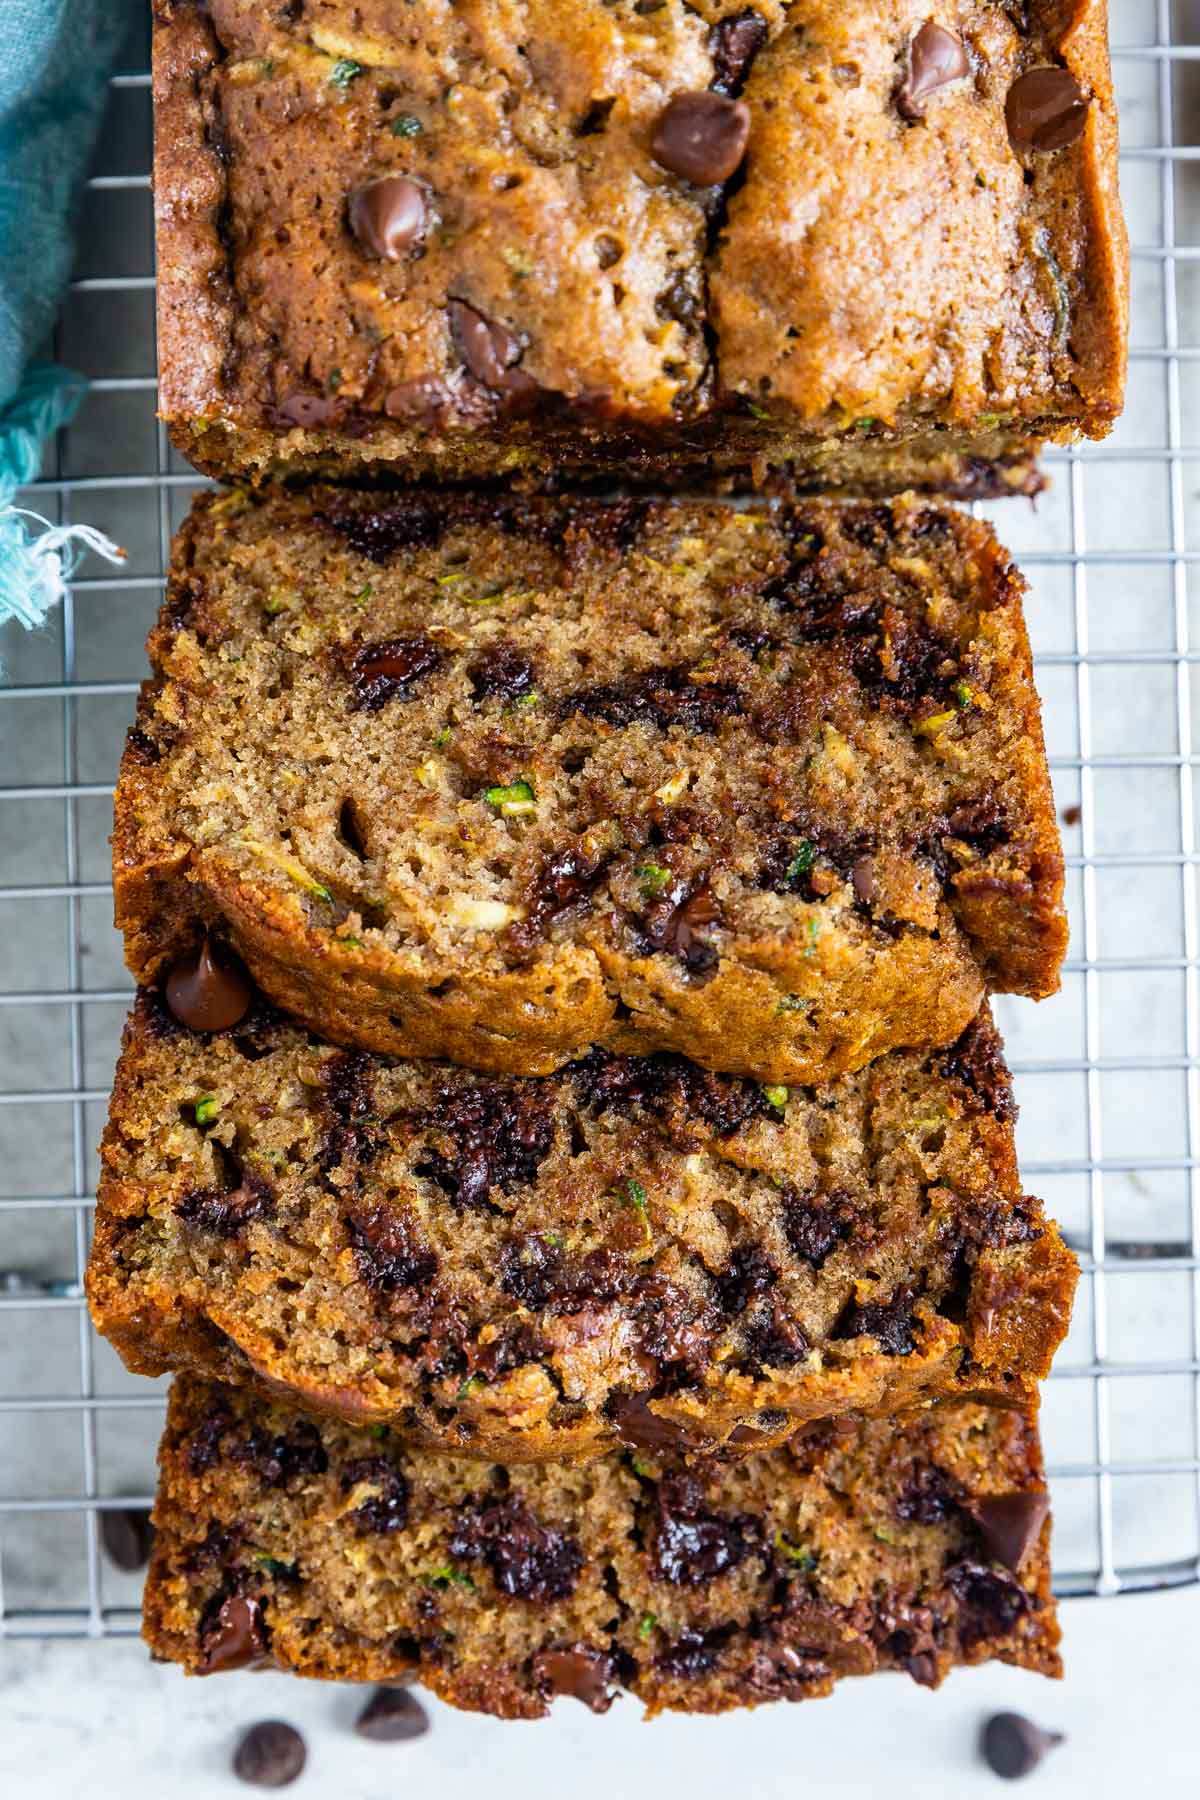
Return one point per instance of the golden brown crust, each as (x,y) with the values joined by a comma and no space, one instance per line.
(283,346)
(850,685)
(337,1554)
(360,1236)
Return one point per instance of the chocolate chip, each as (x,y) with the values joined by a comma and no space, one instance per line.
(645,1430)
(489,349)
(1010,1524)
(389,1252)
(565,882)
(692,1547)
(392,1716)
(388,216)
(862,878)
(381,672)
(701,136)
(889,1321)
(207,995)
(503,671)
(127,1536)
(582,1673)
(528,1560)
(935,58)
(733,44)
(380,532)
(226,1211)
(233,1636)
(1012,1746)
(270,1755)
(486,1134)
(385,1510)
(815,1224)
(1045,110)
(425,400)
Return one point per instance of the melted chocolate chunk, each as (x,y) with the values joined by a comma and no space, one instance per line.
(671,926)
(387,216)
(610,526)
(815,1224)
(541,1275)
(140,747)
(233,1634)
(378,534)
(350,1133)
(502,671)
(583,1673)
(278,1459)
(271,1754)
(675,1329)
(204,1450)
(990,1601)
(1045,110)
(935,58)
(490,350)
(665,696)
(906,1636)
(701,136)
(388,1251)
(674,1090)
(782,1671)
(733,44)
(390,670)
(749,1276)
(928,1496)
(891,1321)
(206,992)
(564,883)
(486,1134)
(225,1212)
(381,1512)
(215,1550)
(977,1060)
(695,1652)
(310,411)
(636,1424)
(692,1547)
(528,1560)
(392,1716)
(1011,1524)
(773,1340)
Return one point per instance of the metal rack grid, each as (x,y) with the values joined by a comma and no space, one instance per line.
(1108,1074)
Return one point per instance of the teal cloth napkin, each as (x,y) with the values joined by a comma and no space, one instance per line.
(55,60)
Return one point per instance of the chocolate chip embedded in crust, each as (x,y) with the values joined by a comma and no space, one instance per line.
(643,1429)
(489,349)
(392,1716)
(1010,1524)
(582,1673)
(388,216)
(207,995)
(233,1636)
(1012,1746)
(127,1536)
(270,1755)
(1045,110)
(310,410)
(701,136)
(935,59)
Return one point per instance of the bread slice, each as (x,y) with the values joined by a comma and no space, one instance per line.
(666,241)
(502,782)
(334,1552)
(527,1268)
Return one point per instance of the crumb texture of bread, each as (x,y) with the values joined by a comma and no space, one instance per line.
(454,240)
(502,781)
(338,1553)
(630,1250)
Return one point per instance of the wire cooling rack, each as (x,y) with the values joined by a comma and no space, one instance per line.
(1108,1073)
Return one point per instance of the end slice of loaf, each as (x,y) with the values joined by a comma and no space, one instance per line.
(632,1249)
(500,782)
(338,1553)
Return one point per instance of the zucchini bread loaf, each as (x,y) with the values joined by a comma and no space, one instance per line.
(630,1250)
(854,242)
(503,781)
(337,1552)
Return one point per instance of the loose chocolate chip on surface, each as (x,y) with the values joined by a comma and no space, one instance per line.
(388,216)
(701,136)
(233,1636)
(1010,1524)
(489,349)
(935,59)
(271,1755)
(582,1673)
(207,995)
(1013,1746)
(127,1536)
(391,1716)
(1045,110)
